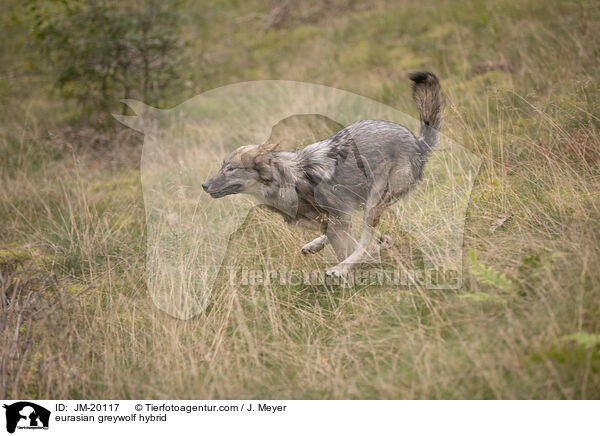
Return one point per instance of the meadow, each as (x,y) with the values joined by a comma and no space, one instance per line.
(522,86)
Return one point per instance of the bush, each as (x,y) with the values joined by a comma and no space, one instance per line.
(101,52)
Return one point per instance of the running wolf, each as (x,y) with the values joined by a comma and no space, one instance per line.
(369,164)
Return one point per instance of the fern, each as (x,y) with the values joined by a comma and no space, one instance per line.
(483,296)
(488,275)
(584,339)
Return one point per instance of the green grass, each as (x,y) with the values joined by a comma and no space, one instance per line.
(524,325)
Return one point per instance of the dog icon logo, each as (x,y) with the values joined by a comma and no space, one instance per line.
(26,415)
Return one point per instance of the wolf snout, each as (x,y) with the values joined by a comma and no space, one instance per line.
(205,187)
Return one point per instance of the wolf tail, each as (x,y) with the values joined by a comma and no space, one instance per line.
(427,95)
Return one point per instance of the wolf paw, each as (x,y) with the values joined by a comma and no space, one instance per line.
(315,246)
(309,249)
(337,272)
(385,242)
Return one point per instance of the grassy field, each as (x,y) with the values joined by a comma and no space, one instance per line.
(522,86)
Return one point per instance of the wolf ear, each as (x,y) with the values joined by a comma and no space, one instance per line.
(266,147)
(262,164)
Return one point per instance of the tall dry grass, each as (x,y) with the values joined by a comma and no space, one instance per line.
(525,324)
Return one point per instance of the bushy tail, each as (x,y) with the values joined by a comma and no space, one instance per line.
(427,95)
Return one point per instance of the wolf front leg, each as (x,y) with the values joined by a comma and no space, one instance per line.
(315,245)
(339,234)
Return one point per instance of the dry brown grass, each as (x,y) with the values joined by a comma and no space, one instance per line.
(534,216)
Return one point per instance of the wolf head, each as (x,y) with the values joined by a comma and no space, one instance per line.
(243,170)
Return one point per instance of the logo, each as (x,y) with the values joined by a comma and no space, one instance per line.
(26,415)
(190,238)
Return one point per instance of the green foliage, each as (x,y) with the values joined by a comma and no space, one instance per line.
(482,297)
(583,339)
(579,367)
(101,52)
(488,275)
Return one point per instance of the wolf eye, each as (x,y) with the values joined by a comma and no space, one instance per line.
(230,169)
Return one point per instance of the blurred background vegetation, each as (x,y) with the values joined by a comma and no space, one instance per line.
(522,81)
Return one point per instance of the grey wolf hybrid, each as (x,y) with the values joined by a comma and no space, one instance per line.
(369,164)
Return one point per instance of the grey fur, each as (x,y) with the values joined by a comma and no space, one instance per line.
(369,164)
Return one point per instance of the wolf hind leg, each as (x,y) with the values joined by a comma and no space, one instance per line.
(382,242)
(371,240)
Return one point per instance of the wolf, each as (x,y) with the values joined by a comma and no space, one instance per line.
(369,164)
